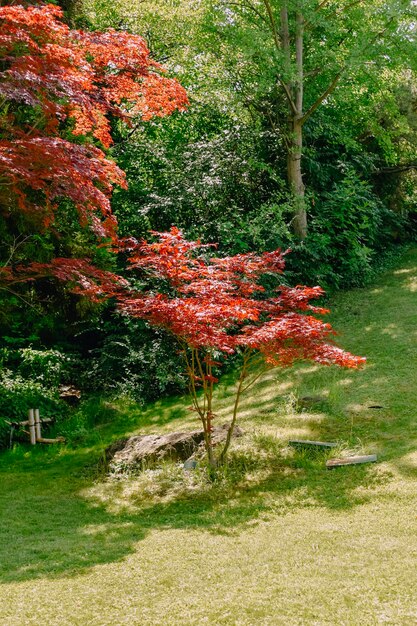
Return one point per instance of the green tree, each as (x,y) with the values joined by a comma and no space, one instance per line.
(222,171)
(302,50)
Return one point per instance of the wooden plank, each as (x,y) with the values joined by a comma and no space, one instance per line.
(57,440)
(43,420)
(351,460)
(306,442)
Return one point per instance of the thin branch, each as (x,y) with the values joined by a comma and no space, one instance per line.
(14,293)
(254,379)
(250,6)
(321,5)
(16,244)
(278,46)
(272,24)
(287,93)
(336,79)
(204,381)
(323,96)
(299,62)
(193,391)
(246,359)
(396,169)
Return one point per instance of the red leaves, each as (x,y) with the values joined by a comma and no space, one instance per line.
(80,74)
(59,168)
(216,305)
(83,277)
(209,304)
(81,78)
(70,84)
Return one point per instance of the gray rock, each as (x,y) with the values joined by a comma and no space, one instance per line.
(179,446)
(309,402)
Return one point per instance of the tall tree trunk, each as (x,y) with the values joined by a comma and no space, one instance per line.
(72,10)
(295,177)
(295,144)
(294,90)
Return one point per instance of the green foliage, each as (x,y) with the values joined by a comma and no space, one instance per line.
(30,378)
(219,173)
(350,226)
(128,358)
(18,394)
(47,367)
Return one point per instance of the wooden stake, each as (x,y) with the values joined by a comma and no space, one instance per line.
(37,425)
(32,431)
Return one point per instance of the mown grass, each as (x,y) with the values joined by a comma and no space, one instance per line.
(277,539)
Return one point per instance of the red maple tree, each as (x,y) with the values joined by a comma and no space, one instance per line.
(218,306)
(59,91)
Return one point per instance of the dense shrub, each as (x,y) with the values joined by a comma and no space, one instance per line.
(128,358)
(350,226)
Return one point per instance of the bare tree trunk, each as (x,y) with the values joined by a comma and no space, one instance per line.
(294,91)
(295,177)
(295,143)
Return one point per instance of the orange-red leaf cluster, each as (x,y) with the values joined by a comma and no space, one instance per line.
(218,303)
(81,275)
(59,89)
(72,82)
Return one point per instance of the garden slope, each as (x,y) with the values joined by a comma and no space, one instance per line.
(279,540)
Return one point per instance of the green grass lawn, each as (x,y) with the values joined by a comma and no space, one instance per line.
(278,539)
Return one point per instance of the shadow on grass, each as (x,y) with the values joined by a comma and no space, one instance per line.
(52,525)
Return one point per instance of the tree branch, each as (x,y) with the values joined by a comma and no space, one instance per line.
(396,169)
(246,358)
(299,35)
(272,24)
(250,6)
(324,95)
(336,79)
(285,38)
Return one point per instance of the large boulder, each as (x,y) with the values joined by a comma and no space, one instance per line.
(133,452)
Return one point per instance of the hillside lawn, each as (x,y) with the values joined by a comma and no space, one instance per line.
(277,539)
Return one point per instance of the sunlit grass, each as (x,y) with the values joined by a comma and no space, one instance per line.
(277,539)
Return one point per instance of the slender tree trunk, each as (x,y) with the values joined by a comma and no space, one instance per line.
(295,177)
(295,144)
(294,90)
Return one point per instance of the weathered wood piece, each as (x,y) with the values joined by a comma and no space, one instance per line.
(45,440)
(32,429)
(352,460)
(43,420)
(306,442)
(34,422)
(70,394)
(37,425)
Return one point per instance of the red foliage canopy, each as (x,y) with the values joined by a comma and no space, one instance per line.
(219,304)
(68,83)
(81,275)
